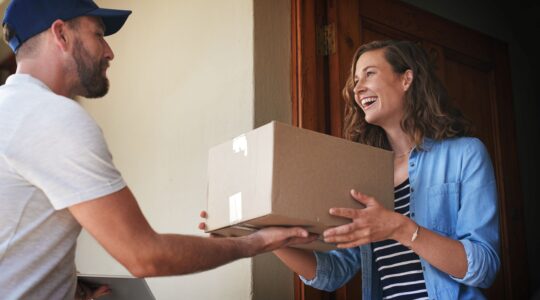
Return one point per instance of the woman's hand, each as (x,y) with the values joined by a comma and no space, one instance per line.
(370,224)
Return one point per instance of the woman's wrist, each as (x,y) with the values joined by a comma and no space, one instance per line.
(406,232)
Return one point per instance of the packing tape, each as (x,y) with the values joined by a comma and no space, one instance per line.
(235,207)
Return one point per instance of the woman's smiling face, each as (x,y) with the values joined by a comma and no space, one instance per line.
(378,90)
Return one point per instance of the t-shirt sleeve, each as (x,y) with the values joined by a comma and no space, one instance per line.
(61,150)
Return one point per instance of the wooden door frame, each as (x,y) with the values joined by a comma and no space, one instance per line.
(308,69)
(313,100)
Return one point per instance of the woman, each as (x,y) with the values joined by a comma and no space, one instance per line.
(442,240)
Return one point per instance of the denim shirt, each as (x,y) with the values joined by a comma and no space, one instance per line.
(453,193)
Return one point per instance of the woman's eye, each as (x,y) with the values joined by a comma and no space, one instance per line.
(369,73)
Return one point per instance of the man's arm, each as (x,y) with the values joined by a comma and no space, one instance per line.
(118,224)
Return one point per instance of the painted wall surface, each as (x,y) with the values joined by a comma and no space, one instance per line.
(182,81)
(272,55)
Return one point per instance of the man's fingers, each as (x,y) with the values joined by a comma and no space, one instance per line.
(101,291)
(297,232)
(302,240)
(202,226)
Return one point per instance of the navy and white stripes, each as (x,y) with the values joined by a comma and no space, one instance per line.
(399,267)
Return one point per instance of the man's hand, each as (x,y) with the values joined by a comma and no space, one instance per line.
(86,292)
(270,238)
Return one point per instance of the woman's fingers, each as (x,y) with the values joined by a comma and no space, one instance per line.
(340,230)
(349,213)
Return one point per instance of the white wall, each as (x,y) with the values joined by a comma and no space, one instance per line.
(182,81)
(188,75)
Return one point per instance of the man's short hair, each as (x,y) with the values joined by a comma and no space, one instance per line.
(28,48)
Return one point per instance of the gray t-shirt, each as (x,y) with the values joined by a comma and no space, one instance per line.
(52,155)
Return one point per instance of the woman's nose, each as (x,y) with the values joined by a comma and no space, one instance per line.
(358,87)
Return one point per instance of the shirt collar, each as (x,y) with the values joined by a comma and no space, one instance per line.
(26,79)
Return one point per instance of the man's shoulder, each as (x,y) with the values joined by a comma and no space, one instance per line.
(30,98)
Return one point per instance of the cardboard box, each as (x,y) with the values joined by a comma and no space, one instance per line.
(279,175)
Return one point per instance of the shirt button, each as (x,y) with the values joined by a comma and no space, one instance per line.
(412,164)
(412,189)
(412,214)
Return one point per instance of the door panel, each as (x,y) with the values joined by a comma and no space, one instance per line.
(469,90)
(473,67)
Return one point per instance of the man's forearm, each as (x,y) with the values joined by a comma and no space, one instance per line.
(118,224)
(173,254)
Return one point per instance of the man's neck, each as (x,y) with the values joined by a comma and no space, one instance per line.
(48,73)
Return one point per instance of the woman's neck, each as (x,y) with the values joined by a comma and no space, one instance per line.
(400,142)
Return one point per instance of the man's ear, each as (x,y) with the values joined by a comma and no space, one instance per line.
(60,34)
(407,79)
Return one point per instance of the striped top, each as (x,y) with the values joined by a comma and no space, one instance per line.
(399,267)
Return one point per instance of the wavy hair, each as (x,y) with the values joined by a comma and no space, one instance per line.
(427,108)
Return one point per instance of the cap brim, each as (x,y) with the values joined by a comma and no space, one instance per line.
(113,19)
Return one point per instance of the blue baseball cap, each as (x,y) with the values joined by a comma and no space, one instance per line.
(30,17)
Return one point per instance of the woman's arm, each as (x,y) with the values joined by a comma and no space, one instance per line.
(375,223)
(302,262)
(326,271)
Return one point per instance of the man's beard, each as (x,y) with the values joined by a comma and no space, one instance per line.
(91,76)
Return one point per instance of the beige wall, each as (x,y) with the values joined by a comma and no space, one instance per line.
(272,47)
(185,77)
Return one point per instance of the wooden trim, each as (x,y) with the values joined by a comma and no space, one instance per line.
(398,14)
(347,40)
(309,98)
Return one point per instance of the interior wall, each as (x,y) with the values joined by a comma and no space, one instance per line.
(510,22)
(272,58)
(181,81)
(272,52)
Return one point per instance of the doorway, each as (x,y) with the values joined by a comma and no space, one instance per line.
(473,66)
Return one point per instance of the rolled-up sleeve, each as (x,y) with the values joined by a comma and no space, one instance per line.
(478,219)
(334,268)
